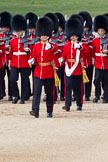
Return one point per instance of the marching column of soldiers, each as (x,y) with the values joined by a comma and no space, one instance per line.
(52,46)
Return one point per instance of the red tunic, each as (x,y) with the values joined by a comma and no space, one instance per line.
(1,62)
(69,52)
(61,44)
(41,55)
(87,42)
(2,51)
(31,42)
(100,59)
(19,58)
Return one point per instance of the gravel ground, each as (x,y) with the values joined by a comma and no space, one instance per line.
(67,137)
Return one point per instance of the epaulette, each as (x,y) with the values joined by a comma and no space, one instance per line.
(104,41)
(33,41)
(52,42)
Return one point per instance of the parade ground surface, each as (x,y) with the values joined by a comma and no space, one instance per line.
(67,137)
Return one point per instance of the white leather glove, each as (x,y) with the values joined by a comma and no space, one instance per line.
(60,60)
(105,51)
(31,61)
(48,46)
(77,46)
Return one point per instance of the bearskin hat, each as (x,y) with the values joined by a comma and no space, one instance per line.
(54,18)
(101,21)
(74,27)
(77,16)
(32,18)
(19,22)
(87,19)
(106,14)
(44,27)
(5,19)
(61,19)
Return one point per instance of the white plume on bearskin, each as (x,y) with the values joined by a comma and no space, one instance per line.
(87,19)
(32,19)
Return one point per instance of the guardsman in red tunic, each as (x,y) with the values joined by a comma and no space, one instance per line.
(44,59)
(79,17)
(61,43)
(19,55)
(87,40)
(73,54)
(54,39)
(2,50)
(32,39)
(6,35)
(100,46)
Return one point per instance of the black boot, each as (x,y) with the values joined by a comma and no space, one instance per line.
(66,108)
(95,100)
(49,115)
(79,108)
(15,100)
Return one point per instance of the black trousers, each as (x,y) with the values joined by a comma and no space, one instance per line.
(101,82)
(6,70)
(88,86)
(1,79)
(61,75)
(74,83)
(32,70)
(14,76)
(49,87)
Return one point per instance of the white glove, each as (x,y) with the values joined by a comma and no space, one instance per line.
(48,46)
(60,60)
(105,51)
(31,61)
(77,46)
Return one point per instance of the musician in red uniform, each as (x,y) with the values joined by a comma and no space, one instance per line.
(19,55)
(100,46)
(87,40)
(6,35)
(32,39)
(43,57)
(73,54)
